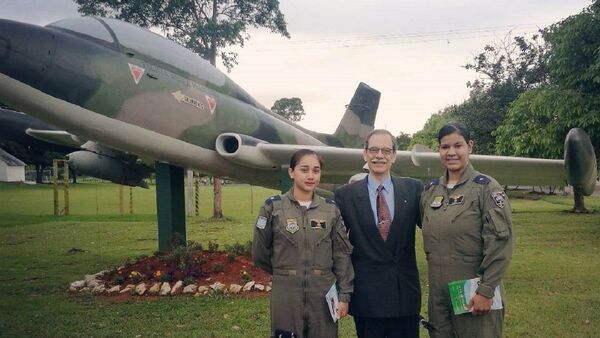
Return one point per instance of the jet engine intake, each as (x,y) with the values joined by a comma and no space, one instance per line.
(243,150)
(108,168)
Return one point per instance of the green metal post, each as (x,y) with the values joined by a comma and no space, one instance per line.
(170,205)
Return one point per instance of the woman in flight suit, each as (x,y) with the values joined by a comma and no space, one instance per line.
(301,240)
(467,233)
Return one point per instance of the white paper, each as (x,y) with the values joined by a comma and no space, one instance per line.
(331,297)
(471,286)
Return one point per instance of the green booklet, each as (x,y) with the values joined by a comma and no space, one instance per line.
(461,292)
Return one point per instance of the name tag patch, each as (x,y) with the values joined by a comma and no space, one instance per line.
(456,199)
(318,224)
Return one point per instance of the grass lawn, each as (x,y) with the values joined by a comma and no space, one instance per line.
(553,284)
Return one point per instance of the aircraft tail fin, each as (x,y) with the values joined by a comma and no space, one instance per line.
(359,119)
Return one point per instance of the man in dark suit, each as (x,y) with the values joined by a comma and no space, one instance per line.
(381,213)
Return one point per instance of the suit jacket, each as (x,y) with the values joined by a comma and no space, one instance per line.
(386,281)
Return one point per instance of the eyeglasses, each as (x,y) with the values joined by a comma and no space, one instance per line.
(376,150)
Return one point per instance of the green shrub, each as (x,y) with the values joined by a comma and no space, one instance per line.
(218,267)
(213,246)
(246,277)
(118,279)
(166,277)
(230,257)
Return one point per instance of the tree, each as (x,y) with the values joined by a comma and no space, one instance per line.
(483,112)
(508,68)
(203,26)
(289,108)
(428,135)
(517,61)
(403,141)
(539,119)
(573,58)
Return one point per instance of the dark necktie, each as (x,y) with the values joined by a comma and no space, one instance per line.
(384,219)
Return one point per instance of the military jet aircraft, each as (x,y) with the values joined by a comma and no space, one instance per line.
(130,92)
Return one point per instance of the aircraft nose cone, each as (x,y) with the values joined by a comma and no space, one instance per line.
(25,51)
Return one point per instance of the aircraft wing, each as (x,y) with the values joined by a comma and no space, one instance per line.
(341,163)
(507,170)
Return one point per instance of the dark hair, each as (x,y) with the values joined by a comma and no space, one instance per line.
(454,127)
(299,154)
(384,132)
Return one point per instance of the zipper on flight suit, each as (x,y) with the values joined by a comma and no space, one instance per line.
(305,262)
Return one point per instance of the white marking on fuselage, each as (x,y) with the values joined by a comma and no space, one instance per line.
(182,98)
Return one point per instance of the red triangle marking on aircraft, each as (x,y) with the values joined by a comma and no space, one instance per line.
(212,103)
(136,72)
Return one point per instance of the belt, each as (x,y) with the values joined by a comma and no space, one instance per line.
(285,272)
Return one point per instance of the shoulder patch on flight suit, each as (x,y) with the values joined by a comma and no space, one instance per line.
(272,198)
(482,179)
(499,198)
(261,222)
(432,183)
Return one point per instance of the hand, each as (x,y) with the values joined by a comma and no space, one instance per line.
(342,310)
(480,305)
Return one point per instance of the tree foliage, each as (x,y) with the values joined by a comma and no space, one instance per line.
(203,26)
(403,141)
(539,119)
(573,58)
(289,108)
(507,68)
(483,112)
(428,135)
(518,62)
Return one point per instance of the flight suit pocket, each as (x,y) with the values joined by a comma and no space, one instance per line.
(499,223)
(323,252)
(467,211)
(281,233)
(280,223)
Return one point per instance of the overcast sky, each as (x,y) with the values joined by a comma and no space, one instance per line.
(412,51)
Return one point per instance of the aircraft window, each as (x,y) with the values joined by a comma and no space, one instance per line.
(84,25)
(163,49)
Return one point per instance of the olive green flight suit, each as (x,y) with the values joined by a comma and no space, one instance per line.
(467,232)
(306,250)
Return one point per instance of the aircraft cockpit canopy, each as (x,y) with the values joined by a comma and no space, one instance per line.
(144,42)
(86,25)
